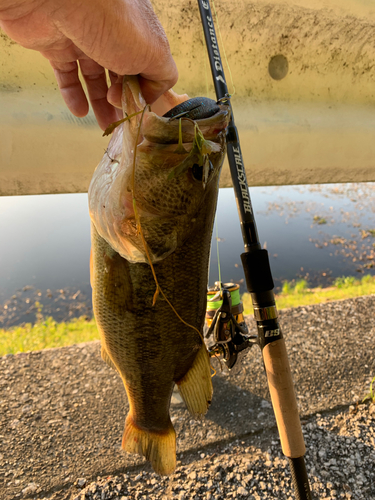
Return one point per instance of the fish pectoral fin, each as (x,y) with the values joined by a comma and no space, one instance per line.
(157,447)
(196,386)
(105,357)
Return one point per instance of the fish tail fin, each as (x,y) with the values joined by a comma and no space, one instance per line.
(196,386)
(157,447)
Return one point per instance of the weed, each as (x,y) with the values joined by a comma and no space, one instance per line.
(319,220)
(371,395)
(287,287)
(301,286)
(344,281)
(367,279)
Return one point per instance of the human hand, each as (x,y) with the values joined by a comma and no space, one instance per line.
(123,36)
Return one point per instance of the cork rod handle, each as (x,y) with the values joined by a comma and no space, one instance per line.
(283,398)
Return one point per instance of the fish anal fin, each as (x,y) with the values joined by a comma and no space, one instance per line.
(157,447)
(105,357)
(196,386)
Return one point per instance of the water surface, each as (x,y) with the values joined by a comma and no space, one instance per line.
(317,231)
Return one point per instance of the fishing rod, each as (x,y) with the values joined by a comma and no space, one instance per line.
(260,285)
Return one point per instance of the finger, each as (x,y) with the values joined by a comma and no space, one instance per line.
(160,71)
(114,77)
(137,46)
(152,89)
(96,83)
(114,94)
(70,87)
(115,90)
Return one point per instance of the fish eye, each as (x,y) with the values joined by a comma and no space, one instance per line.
(197,171)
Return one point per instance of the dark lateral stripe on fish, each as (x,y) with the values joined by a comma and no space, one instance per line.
(196,108)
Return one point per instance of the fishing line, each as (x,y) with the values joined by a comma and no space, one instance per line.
(217,252)
(205,64)
(222,44)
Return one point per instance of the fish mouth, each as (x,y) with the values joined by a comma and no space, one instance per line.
(196,108)
(159,123)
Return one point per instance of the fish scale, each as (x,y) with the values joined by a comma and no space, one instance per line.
(149,346)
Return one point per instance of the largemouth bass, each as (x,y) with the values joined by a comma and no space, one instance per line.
(155,204)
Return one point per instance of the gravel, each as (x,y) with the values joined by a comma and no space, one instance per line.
(340,461)
(62,414)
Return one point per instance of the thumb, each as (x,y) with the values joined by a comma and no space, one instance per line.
(151,89)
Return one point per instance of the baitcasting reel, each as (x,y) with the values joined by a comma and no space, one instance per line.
(225,322)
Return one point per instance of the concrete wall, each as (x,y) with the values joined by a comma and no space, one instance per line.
(304,116)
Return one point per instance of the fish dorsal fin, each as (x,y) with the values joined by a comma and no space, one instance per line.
(107,359)
(196,386)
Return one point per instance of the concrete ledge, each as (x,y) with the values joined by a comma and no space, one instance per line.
(304,99)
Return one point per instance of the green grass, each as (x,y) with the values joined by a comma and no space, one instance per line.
(294,294)
(46,333)
(370,396)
